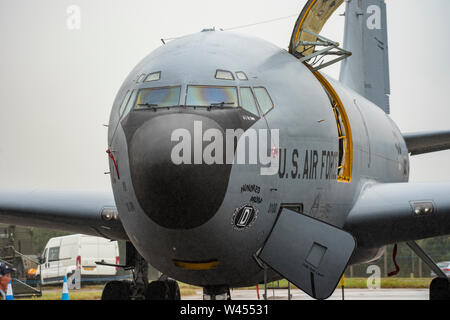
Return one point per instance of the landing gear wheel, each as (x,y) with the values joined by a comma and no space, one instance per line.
(116,290)
(440,289)
(163,290)
(157,290)
(174,290)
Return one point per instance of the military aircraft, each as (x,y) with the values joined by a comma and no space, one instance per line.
(235,162)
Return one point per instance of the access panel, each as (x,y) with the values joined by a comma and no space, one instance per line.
(309,253)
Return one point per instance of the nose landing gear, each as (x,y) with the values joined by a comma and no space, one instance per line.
(216,293)
(163,289)
(140,289)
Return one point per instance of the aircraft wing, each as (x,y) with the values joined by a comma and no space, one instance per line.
(425,142)
(398,212)
(91,213)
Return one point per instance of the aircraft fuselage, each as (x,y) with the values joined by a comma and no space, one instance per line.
(202,223)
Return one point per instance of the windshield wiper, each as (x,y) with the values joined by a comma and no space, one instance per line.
(223,103)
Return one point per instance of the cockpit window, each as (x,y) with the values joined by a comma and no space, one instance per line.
(155,76)
(248,100)
(141,78)
(158,97)
(212,96)
(124,103)
(130,103)
(241,76)
(264,100)
(224,75)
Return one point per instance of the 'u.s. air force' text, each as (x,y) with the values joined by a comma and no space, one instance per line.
(308,164)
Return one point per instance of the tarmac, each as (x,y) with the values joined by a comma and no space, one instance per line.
(282,294)
(349,294)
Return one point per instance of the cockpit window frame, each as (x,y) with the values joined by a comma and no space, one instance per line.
(212,86)
(156,88)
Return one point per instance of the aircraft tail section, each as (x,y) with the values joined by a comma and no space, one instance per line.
(367,70)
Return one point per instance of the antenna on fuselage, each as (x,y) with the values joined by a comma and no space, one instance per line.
(164,40)
(260,22)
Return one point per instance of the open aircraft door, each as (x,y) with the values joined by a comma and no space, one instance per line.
(305,37)
(309,253)
(313,50)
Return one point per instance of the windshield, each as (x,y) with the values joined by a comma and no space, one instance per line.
(212,96)
(158,97)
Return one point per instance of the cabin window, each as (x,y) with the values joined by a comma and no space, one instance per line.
(224,75)
(124,103)
(141,78)
(210,96)
(241,76)
(248,100)
(158,97)
(264,100)
(155,76)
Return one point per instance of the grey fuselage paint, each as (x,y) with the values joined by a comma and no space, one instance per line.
(209,198)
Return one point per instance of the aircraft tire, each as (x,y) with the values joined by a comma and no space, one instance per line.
(116,290)
(440,289)
(158,290)
(174,290)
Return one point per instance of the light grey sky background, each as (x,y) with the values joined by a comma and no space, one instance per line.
(58,85)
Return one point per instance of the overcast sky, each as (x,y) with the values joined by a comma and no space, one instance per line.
(58,85)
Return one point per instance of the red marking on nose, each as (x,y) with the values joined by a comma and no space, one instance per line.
(114,161)
(275,152)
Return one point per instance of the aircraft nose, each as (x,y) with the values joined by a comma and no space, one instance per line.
(176,195)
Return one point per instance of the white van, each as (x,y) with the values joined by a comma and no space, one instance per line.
(63,255)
